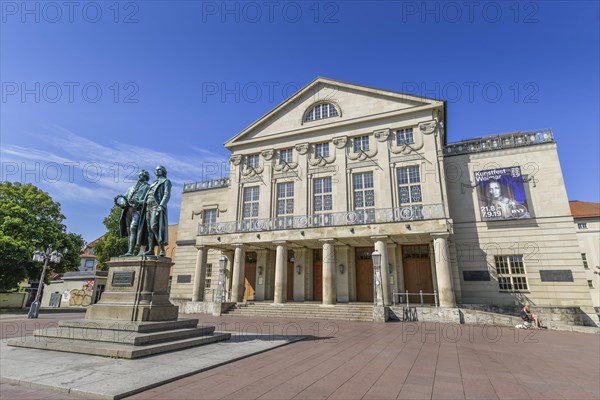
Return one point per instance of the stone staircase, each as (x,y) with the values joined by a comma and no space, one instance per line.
(305,310)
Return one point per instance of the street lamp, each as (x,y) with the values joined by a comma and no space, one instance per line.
(376,256)
(39,256)
(221,288)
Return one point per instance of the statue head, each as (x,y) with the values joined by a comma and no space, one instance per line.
(160,171)
(144,176)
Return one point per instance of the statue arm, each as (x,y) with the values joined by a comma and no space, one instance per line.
(166,194)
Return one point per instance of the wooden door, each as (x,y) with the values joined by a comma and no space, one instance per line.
(364,280)
(290,281)
(417,273)
(318,280)
(249,280)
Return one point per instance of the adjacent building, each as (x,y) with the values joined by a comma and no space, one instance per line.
(339,171)
(586,216)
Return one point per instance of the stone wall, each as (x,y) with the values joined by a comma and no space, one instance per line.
(13,300)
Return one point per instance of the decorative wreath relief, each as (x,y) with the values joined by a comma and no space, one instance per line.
(250,171)
(361,155)
(405,147)
(315,160)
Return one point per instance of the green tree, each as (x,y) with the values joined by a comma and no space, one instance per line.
(111,244)
(30,220)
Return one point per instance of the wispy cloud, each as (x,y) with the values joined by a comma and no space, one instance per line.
(82,172)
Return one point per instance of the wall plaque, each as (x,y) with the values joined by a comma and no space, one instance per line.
(474,276)
(123,278)
(556,275)
(184,278)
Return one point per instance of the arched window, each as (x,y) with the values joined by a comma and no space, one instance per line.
(320,111)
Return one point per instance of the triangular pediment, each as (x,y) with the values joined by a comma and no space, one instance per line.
(353,102)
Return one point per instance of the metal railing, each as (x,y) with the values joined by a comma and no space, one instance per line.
(404,298)
(205,185)
(210,295)
(510,140)
(374,216)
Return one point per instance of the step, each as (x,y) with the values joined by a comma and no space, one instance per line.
(116,350)
(125,337)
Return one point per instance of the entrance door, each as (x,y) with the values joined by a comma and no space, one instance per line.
(364,281)
(290,281)
(318,280)
(417,273)
(249,280)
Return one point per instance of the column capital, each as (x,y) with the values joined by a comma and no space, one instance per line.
(238,245)
(201,247)
(380,238)
(441,235)
(342,246)
(279,243)
(326,241)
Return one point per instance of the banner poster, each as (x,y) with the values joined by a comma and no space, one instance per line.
(501,194)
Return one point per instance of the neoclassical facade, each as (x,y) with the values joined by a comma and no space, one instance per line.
(340,170)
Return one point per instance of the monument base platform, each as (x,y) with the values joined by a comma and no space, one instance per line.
(134,317)
(121,339)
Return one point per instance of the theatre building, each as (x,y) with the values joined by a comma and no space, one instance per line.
(339,171)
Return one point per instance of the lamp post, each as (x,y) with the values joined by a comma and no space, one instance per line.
(39,256)
(221,288)
(376,256)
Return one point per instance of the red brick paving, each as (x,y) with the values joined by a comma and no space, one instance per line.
(359,360)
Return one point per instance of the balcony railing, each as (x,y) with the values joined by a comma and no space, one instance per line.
(505,141)
(375,216)
(205,185)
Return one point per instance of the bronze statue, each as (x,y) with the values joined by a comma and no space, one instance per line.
(131,204)
(154,224)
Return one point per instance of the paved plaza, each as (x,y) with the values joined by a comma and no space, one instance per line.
(354,360)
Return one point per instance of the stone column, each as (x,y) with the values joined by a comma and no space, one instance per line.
(329,289)
(280,273)
(239,263)
(381,246)
(200,274)
(444,275)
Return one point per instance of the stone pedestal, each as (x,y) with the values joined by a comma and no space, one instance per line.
(134,317)
(136,290)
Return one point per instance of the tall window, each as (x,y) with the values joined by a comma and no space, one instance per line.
(208,278)
(404,136)
(285,198)
(364,196)
(251,202)
(409,185)
(210,218)
(584,259)
(322,150)
(320,111)
(285,204)
(252,161)
(361,143)
(285,156)
(511,272)
(322,201)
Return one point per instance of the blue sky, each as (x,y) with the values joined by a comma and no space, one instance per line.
(93,91)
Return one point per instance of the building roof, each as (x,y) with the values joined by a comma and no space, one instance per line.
(317,82)
(584,209)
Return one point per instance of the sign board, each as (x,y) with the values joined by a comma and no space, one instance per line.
(123,278)
(501,194)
